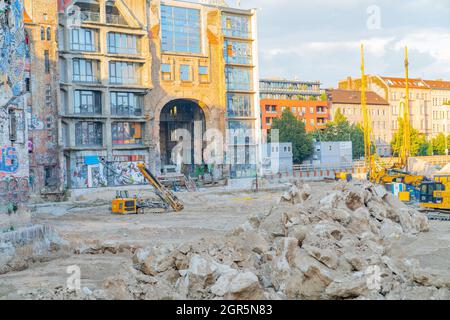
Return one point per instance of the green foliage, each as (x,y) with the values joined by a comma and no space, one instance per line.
(439,144)
(293,130)
(323,96)
(419,143)
(341,130)
(312,98)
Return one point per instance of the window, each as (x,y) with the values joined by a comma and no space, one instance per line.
(127,133)
(88,133)
(166,71)
(49,34)
(274,109)
(180,29)
(83,70)
(236,26)
(122,43)
(124,72)
(46,62)
(42,33)
(238,79)
(185,72)
(240,105)
(82,40)
(203,72)
(27,85)
(237,52)
(311,110)
(87,102)
(49,179)
(311,121)
(12,126)
(126,104)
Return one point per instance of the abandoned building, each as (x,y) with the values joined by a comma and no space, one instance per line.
(114,82)
(14,163)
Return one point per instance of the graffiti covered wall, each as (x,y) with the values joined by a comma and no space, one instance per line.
(14,172)
(93,171)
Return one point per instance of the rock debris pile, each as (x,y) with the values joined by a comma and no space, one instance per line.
(310,246)
(313,244)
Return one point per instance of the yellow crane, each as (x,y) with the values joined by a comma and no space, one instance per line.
(399,171)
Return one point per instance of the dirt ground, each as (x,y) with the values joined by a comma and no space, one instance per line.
(101,243)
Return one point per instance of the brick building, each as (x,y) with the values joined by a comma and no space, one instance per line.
(305,100)
(42,78)
(349,103)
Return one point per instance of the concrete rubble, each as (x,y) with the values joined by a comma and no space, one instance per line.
(310,245)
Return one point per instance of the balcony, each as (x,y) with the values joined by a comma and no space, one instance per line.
(116,19)
(89,16)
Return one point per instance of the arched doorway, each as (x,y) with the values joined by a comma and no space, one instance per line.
(182,114)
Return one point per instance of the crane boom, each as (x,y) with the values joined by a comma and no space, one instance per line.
(406,145)
(366,120)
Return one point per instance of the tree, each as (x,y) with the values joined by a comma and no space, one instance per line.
(439,144)
(341,130)
(323,96)
(293,130)
(419,143)
(339,117)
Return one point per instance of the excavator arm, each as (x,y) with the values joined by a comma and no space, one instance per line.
(164,194)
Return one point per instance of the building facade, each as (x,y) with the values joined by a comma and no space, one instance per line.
(440,106)
(115,83)
(104,73)
(42,75)
(205,86)
(393,91)
(304,99)
(14,160)
(349,104)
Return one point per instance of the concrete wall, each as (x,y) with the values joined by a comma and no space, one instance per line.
(14,173)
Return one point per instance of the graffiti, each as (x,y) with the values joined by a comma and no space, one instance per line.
(35,123)
(14,190)
(104,174)
(12,50)
(9,162)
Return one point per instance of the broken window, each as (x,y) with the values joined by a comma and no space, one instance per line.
(127,133)
(240,105)
(88,133)
(203,72)
(236,26)
(238,52)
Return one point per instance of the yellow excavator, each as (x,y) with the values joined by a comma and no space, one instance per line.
(124,204)
(398,172)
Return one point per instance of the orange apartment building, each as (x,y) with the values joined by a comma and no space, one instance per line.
(303,98)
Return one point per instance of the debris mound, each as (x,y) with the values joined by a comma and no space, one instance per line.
(312,245)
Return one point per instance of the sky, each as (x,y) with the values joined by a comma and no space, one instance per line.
(320,39)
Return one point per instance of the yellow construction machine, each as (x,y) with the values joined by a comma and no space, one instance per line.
(124,204)
(398,172)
